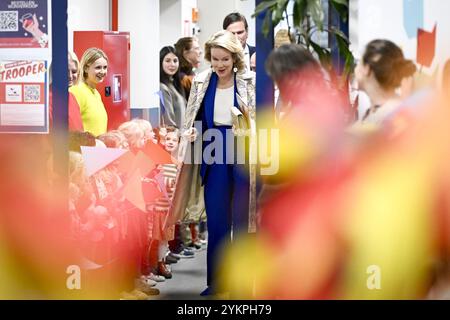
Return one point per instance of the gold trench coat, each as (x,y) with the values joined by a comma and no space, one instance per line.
(189,181)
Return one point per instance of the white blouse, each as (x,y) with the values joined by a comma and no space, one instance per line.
(222,106)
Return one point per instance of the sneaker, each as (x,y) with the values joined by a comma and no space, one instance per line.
(174,255)
(142,286)
(178,249)
(156,277)
(147,281)
(149,291)
(164,271)
(169,259)
(139,294)
(127,296)
(195,245)
(186,254)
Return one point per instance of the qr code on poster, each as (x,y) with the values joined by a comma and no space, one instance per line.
(32,93)
(9,21)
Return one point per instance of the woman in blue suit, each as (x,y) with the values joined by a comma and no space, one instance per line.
(229,188)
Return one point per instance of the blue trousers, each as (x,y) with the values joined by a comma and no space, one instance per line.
(226,191)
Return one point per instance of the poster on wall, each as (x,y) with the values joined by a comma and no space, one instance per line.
(24,24)
(24,96)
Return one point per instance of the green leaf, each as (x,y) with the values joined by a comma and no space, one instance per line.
(341,6)
(324,55)
(316,11)
(266,23)
(343,47)
(278,16)
(281,4)
(263,6)
(279,11)
(341,2)
(303,5)
(296,14)
(338,33)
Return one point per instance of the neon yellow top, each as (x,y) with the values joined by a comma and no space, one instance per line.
(93,112)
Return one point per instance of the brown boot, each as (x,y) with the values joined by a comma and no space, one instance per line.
(163,270)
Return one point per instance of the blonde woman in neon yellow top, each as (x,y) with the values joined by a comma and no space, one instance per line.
(93,70)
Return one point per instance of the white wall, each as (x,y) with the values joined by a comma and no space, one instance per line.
(186,15)
(141,19)
(86,15)
(211,14)
(171,22)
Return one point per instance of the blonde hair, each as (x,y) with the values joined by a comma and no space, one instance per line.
(226,40)
(283,37)
(113,139)
(89,57)
(132,131)
(143,124)
(71,56)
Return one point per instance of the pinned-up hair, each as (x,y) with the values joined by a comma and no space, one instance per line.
(387,62)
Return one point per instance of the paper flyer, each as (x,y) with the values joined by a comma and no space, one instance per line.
(24,24)
(23,96)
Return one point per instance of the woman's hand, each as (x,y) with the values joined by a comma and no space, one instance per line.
(33,28)
(191,134)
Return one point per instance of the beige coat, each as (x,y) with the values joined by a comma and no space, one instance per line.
(189,181)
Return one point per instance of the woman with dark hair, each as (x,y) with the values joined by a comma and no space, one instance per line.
(296,74)
(379,74)
(189,52)
(303,88)
(308,108)
(173,102)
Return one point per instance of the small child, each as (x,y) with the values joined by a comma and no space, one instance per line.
(114,139)
(163,228)
(134,134)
